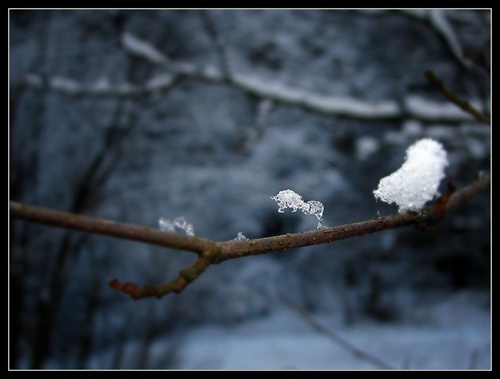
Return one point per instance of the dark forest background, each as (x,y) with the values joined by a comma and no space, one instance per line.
(137,115)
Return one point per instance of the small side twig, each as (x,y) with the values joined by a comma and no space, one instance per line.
(478,59)
(177,285)
(437,20)
(450,95)
(459,198)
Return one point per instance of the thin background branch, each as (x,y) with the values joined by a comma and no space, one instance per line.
(455,99)
(317,327)
(386,109)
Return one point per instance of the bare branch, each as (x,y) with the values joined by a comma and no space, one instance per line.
(237,249)
(481,183)
(211,252)
(177,285)
(102,88)
(280,93)
(455,99)
(109,228)
(436,18)
(479,59)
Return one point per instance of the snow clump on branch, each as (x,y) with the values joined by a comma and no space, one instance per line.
(179,225)
(417,181)
(290,199)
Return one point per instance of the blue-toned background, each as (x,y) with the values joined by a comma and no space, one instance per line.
(137,115)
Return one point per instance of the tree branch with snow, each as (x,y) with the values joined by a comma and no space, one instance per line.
(413,186)
(212,252)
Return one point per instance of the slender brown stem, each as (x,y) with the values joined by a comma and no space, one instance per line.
(450,95)
(106,227)
(211,252)
(177,285)
(458,198)
(237,249)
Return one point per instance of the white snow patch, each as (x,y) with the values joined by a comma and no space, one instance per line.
(284,341)
(291,199)
(417,181)
(179,225)
(365,147)
(318,102)
(240,237)
(142,48)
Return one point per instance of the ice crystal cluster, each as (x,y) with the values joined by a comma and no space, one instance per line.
(240,237)
(179,225)
(417,181)
(290,199)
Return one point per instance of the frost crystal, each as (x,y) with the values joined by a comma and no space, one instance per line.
(179,225)
(240,237)
(417,181)
(290,199)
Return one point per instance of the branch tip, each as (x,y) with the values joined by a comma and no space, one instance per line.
(127,288)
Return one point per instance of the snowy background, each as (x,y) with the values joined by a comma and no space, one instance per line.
(138,115)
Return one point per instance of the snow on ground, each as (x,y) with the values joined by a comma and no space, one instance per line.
(449,335)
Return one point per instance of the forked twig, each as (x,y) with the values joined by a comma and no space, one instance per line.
(212,252)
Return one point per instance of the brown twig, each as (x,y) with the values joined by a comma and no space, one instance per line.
(450,95)
(237,249)
(478,59)
(211,252)
(177,285)
(458,198)
(107,227)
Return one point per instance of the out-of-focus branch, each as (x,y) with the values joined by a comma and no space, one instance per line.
(317,327)
(455,99)
(102,87)
(439,22)
(284,94)
(478,59)
(437,19)
(414,107)
(219,45)
(211,252)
